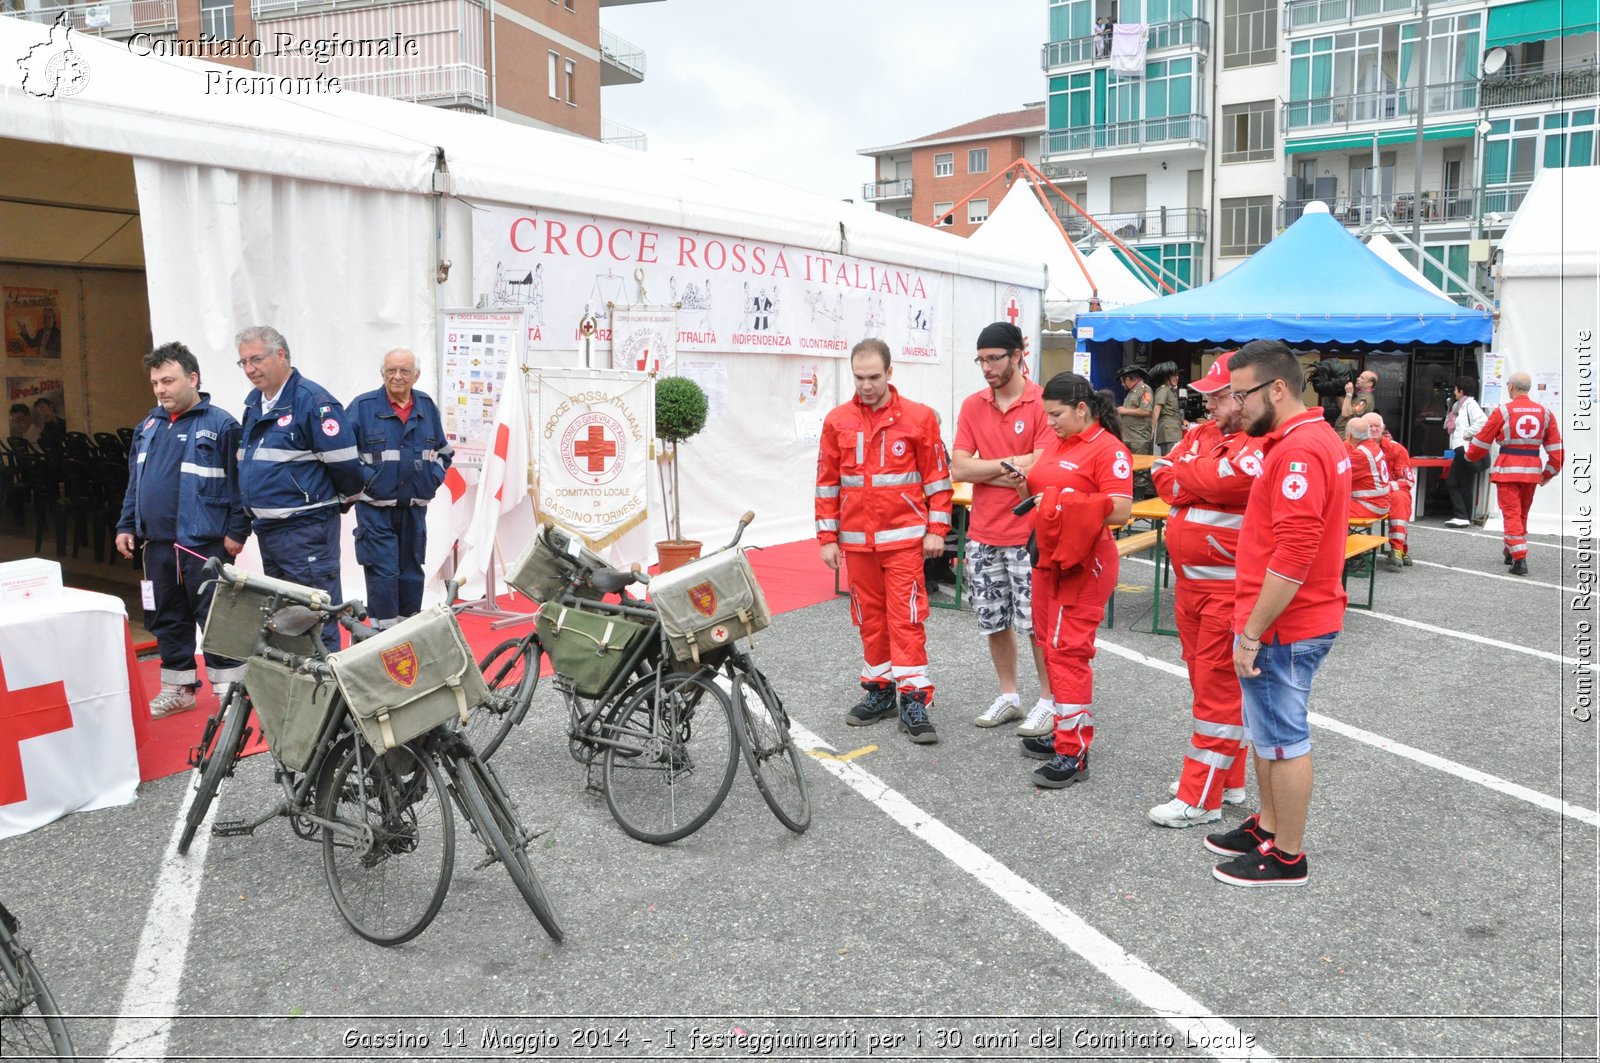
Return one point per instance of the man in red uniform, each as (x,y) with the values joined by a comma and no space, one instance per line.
(1369,473)
(1003,422)
(1207,480)
(1402,481)
(1521,427)
(883,498)
(1290,606)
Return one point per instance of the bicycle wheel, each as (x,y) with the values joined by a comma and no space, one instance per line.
(676,761)
(494,817)
(30,1023)
(769,749)
(512,672)
(388,862)
(217,762)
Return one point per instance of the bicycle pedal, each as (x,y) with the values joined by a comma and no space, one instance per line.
(229,828)
(488,861)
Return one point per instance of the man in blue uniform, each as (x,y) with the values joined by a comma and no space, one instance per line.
(401,436)
(297,464)
(183,501)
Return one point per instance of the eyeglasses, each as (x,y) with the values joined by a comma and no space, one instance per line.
(399,372)
(251,363)
(992,359)
(1240,396)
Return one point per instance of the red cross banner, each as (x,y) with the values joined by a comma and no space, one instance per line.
(644,339)
(592,434)
(66,717)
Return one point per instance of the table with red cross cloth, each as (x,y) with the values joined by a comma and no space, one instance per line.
(72,709)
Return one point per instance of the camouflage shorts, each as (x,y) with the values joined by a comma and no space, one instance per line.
(1000,587)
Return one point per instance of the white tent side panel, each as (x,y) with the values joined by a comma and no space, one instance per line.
(1550,325)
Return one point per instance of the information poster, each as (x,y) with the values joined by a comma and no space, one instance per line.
(713,380)
(477,349)
(33,322)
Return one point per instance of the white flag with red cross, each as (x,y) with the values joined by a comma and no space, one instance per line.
(595,431)
(503,485)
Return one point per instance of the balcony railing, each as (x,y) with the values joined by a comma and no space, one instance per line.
(1139,226)
(1450,206)
(451,85)
(622,54)
(1367,107)
(1540,86)
(894,188)
(1299,14)
(623,136)
(1505,199)
(114,18)
(1179,129)
(1184,33)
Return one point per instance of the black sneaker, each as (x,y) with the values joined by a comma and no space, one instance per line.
(1245,838)
(914,718)
(1041,748)
(1519,567)
(1062,771)
(1264,867)
(877,704)
(1506,555)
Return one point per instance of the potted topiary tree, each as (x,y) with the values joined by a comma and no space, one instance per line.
(680,414)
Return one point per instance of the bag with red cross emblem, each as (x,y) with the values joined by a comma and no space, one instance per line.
(709,604)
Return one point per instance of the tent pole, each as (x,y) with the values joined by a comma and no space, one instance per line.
(1136,259)
(962,201)
(1422,108)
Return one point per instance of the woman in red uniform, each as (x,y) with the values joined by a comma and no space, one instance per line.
(1084,480)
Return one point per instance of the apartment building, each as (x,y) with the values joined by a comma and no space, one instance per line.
(537,62)
(923,179)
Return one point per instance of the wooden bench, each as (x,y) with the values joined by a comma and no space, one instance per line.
(1361,557)
(1127,546)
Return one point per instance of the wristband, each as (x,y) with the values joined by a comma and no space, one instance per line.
(1244,642)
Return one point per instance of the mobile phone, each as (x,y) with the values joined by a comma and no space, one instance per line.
(1010,468)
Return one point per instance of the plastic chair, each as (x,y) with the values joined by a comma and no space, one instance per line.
(78,446)
(109,444)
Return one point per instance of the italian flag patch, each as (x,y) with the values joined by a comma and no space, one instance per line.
(1297,466)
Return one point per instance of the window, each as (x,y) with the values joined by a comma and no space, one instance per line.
(1245,226)
(1169,90)
(978,160)
(572,5)
(216,19)
(1128,194)
(1455,52)
(944,164)
(977,211)
(555,75)
(1247,131)
(942,212)
(572,82)
(1249,32)
(903,213)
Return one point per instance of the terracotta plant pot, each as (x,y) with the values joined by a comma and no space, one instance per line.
(677,552)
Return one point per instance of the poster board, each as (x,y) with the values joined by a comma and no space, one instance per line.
(479,350)
(593,432)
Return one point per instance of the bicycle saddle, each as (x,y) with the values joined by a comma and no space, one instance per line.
(611,580)
(294,620)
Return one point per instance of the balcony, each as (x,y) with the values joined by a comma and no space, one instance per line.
(894,188)
(1177,131)
(1164,36)
(113,18)
(460,86)
(1303,14)
(1158,225)
(621,61)
(1447,208)
(1387,105)
(1539,86)
(623,136)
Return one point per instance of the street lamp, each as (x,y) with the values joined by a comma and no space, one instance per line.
(1479,250)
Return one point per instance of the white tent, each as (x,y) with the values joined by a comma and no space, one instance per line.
(1549,292)
(1020,229)
(1384,248)
(348,221)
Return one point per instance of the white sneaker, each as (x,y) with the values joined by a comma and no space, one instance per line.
(1457,522)
(171,700)
(1041,721)
(1177,814)
(1005,708)
(1229,797)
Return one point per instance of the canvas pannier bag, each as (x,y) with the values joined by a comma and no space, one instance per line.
(293,708)
(239,609)
(408,679)
(709,604)
(549,562)
(587,648)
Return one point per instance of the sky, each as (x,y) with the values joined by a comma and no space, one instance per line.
(791,89)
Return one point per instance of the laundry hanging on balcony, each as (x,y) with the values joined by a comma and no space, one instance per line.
(1127,48)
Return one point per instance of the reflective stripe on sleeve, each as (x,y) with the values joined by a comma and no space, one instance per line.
(276,455)
(938,516)
(344,454)
(937,486)
(828,492)
(827,525)
(900,535)
(853,538)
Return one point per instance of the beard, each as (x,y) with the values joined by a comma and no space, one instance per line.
(1004,379)
(1263,422)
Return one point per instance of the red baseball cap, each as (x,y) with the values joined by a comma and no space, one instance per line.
(1217,378)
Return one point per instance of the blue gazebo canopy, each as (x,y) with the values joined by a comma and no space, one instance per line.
(1315,284)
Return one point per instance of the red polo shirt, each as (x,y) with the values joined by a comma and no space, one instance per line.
(1295,526)
(984,430)
(403,412)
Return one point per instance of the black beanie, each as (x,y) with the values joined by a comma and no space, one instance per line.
(1000,334)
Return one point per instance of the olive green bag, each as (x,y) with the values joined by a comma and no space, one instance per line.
(238,612)
(291,706)
(587,648)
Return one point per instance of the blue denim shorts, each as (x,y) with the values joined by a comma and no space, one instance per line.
(1275,713)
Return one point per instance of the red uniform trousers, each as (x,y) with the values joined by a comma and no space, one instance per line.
(888,603)
(1399,515)
(1064,625)
(1216,757)
(1515,498)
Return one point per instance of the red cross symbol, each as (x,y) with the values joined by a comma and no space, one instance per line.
(26,713)
(596,448)
(1013,311)
(643,360)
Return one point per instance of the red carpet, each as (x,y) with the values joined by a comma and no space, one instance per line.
(792,576)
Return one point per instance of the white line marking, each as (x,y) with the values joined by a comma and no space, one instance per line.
(1399,749)
(1524,580)
(1484,535)
(1469,637)
(150,999)
(1136,977)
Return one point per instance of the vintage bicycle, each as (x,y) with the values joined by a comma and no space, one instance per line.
(363,777)
(661,695)
(31,1026)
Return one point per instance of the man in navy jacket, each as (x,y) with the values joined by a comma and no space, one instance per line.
(183,502)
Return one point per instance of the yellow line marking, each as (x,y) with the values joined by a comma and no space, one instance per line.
(1127,588)
(846,758)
